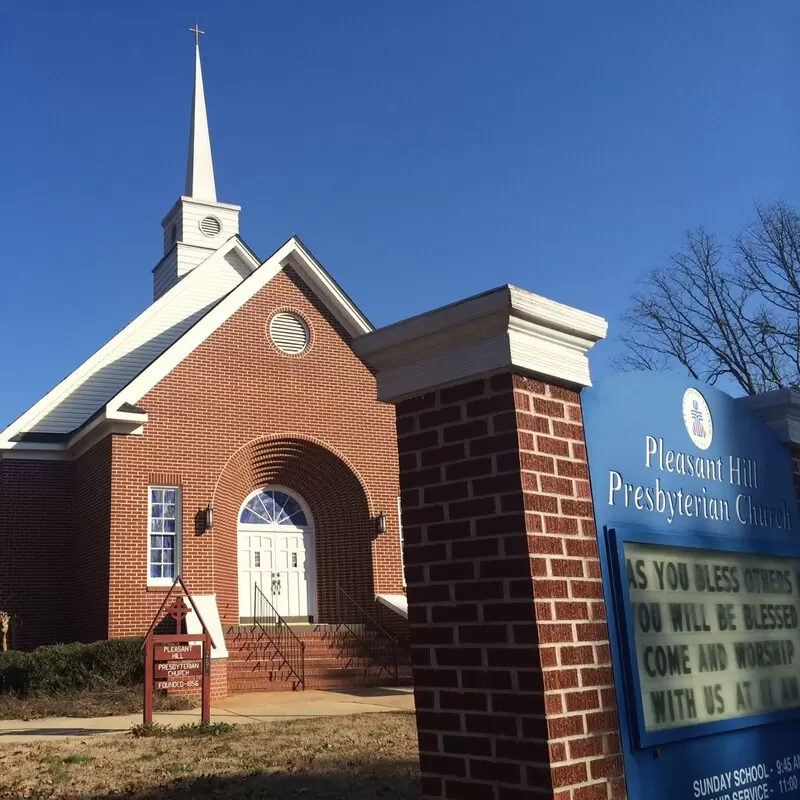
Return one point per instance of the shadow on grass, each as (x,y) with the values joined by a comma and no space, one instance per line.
(389,780)
(58,731)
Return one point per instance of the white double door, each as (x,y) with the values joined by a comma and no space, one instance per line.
(280,560)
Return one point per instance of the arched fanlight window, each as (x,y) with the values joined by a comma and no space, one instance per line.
(273,507)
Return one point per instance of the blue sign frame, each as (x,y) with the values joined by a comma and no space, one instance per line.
(617,541)
(624,417)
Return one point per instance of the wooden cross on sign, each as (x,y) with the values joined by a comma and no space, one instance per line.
(196,31)
(178,610)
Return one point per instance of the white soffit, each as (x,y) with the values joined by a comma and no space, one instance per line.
(396,602)
(500,330)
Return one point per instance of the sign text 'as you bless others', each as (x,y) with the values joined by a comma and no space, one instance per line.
(716,633)
(697,498)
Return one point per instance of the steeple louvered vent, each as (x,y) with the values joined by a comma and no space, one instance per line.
(289,333)
(210,226)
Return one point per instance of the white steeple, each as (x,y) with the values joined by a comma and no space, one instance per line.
(199,168)
(197,225)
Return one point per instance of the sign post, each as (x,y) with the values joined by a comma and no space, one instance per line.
(179,660)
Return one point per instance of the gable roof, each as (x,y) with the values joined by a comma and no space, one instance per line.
(109,384)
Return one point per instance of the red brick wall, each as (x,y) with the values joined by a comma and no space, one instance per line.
(89,550)
(35,515)
(583,730)
(236,413)
(509,644)
(344,526)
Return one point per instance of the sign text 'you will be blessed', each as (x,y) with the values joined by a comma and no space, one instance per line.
(717,635)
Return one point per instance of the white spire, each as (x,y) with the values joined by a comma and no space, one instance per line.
(199,168)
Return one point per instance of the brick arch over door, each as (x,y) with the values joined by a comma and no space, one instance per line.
(343,525)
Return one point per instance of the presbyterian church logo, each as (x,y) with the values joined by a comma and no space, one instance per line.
(697,418)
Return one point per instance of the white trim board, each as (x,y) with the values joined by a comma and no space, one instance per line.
(396,602)
(209,611)
(501,330)
(293,253)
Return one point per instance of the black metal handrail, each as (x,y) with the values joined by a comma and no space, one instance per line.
(357,621)
(290,648)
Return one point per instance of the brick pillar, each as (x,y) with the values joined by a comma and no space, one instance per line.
(511,660)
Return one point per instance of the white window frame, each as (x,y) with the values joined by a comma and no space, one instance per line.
(178,534)
(400,529)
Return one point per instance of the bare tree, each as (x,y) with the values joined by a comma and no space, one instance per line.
(723,313)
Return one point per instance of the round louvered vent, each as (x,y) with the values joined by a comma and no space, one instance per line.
(210,226)
(289,333)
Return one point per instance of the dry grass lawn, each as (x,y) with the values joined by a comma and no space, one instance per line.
(365,757)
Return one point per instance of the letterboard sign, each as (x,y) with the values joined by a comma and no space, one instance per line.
(699,537)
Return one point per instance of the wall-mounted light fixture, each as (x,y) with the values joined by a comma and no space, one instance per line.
(208,517)
(381,522)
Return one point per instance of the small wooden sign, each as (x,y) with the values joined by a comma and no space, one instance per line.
(178,652)
(177,661)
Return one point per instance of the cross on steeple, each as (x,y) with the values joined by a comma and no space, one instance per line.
(196,31)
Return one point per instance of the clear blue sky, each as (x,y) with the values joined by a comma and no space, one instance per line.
(423,150)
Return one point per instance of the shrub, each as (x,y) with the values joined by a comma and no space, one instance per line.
(61,668)
(187,730)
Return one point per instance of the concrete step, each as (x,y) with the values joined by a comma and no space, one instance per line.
(313,651)
(249,667)
(334,659)
(331,681)
(249,644)
(268,651)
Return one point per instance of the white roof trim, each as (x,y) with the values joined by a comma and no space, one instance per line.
(346,312)
(291,254)
(74,379)
(502,330)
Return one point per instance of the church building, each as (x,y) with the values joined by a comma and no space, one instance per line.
(229,434)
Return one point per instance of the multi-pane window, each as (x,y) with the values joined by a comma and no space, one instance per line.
(164,534)
(273,507)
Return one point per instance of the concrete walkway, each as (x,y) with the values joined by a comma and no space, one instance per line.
(242,709)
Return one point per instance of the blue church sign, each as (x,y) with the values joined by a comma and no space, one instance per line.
(699,536)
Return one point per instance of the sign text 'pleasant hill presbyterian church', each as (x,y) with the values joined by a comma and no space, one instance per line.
(699,499)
